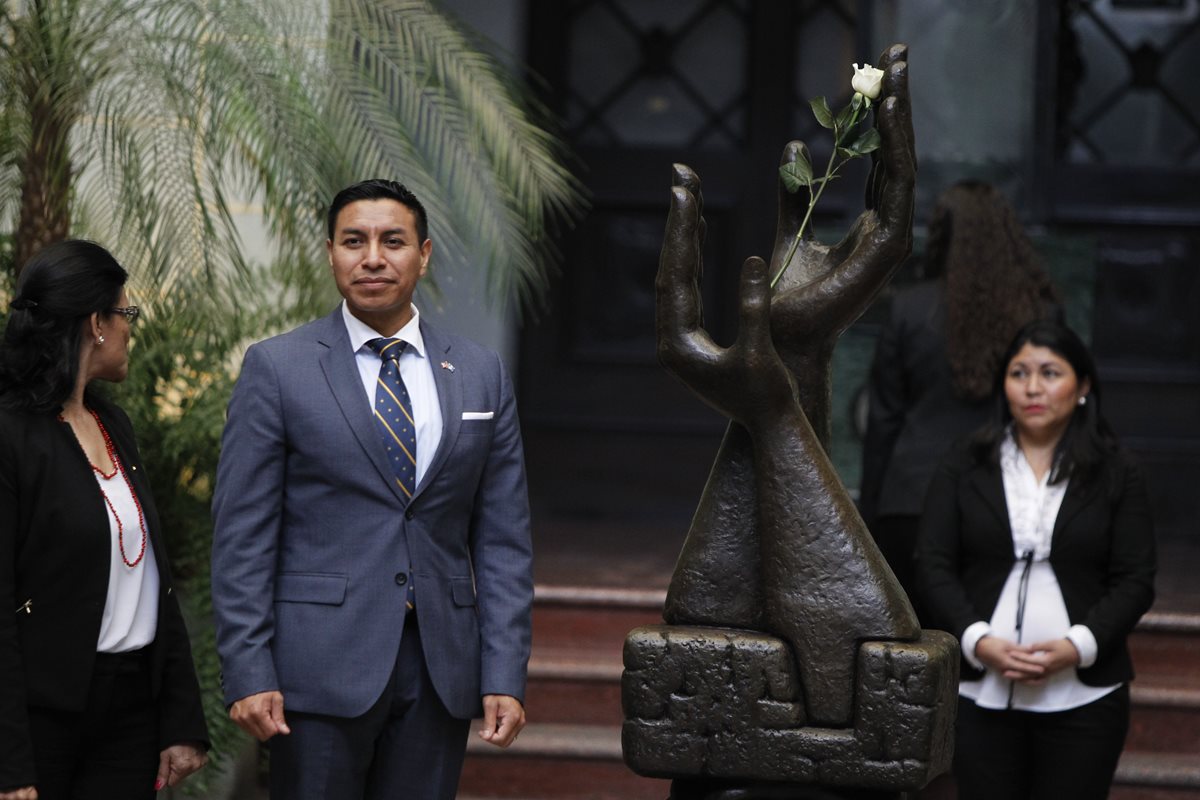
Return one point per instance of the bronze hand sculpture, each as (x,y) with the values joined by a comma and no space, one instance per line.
(776,544)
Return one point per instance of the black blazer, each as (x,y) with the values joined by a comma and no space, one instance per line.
(1102,552)
(913,413)
(54,555)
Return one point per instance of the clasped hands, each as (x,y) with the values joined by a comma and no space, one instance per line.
(1031,664)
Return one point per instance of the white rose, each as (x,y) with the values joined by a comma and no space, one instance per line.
(867,81)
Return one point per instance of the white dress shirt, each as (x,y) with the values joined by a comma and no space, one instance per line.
(415,370)
(1033,507)
(130,617)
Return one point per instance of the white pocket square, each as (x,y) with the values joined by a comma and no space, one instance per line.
(478,414)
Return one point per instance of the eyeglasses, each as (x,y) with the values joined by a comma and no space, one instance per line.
(130,313)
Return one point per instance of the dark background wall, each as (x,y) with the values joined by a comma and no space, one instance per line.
(1087,114)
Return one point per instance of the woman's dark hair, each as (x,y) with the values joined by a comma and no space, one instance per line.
(58,289)
(1088,439)
(994,282)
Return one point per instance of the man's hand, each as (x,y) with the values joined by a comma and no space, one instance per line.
(503,719)
(177,762)
(25,793)
(260,715)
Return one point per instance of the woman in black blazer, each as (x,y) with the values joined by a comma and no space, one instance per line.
(99,697)
(1036,550)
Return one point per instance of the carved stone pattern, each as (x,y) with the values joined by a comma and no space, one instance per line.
(727,704)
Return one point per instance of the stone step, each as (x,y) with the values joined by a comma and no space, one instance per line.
(582,619)
(578,637)
(1166,648)
(1165,719)
(1157,776)
(568,762)
(574,689)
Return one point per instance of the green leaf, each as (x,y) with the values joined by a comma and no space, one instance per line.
(796,174)
(820,109)
(868,142)
(847,118)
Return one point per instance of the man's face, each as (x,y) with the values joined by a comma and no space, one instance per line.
(376,260)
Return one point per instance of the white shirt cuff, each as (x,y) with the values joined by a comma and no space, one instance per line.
(971,636)
(1085,643)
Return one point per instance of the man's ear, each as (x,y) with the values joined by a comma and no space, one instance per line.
(329,251)
(426,250)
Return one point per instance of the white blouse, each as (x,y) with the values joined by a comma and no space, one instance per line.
(130,617)
(1042,615)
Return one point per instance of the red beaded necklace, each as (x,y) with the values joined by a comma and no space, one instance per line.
(112,456)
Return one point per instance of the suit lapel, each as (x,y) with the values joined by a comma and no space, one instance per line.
(450,398)
(341,373)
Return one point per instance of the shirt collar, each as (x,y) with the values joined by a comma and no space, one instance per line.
(360,332)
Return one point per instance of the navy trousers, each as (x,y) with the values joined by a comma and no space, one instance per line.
(406,746)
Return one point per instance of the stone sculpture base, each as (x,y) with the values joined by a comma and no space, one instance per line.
(722,712)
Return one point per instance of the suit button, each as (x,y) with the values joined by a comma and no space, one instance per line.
(409,514)
(401,579)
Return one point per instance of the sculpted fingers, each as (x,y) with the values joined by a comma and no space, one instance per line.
(676,286)
(683,345)
(792,207)
(685,177)
(755,314)
(895,173)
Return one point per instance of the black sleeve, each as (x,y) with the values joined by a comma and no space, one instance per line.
(939,552)
(885,417)
(16,749)
(1131,565)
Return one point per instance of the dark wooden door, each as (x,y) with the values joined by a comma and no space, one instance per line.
(720,85)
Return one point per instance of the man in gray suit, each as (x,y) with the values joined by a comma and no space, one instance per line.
(371,555)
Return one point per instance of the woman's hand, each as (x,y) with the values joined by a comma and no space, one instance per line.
(26,793)
(1053,656)
(1026,663)
(176,763)
(1011,660)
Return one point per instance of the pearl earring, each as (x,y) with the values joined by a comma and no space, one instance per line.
(1083,400)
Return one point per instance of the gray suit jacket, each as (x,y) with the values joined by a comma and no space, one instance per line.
(312,535)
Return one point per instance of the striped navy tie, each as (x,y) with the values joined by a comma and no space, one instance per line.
(394,416)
